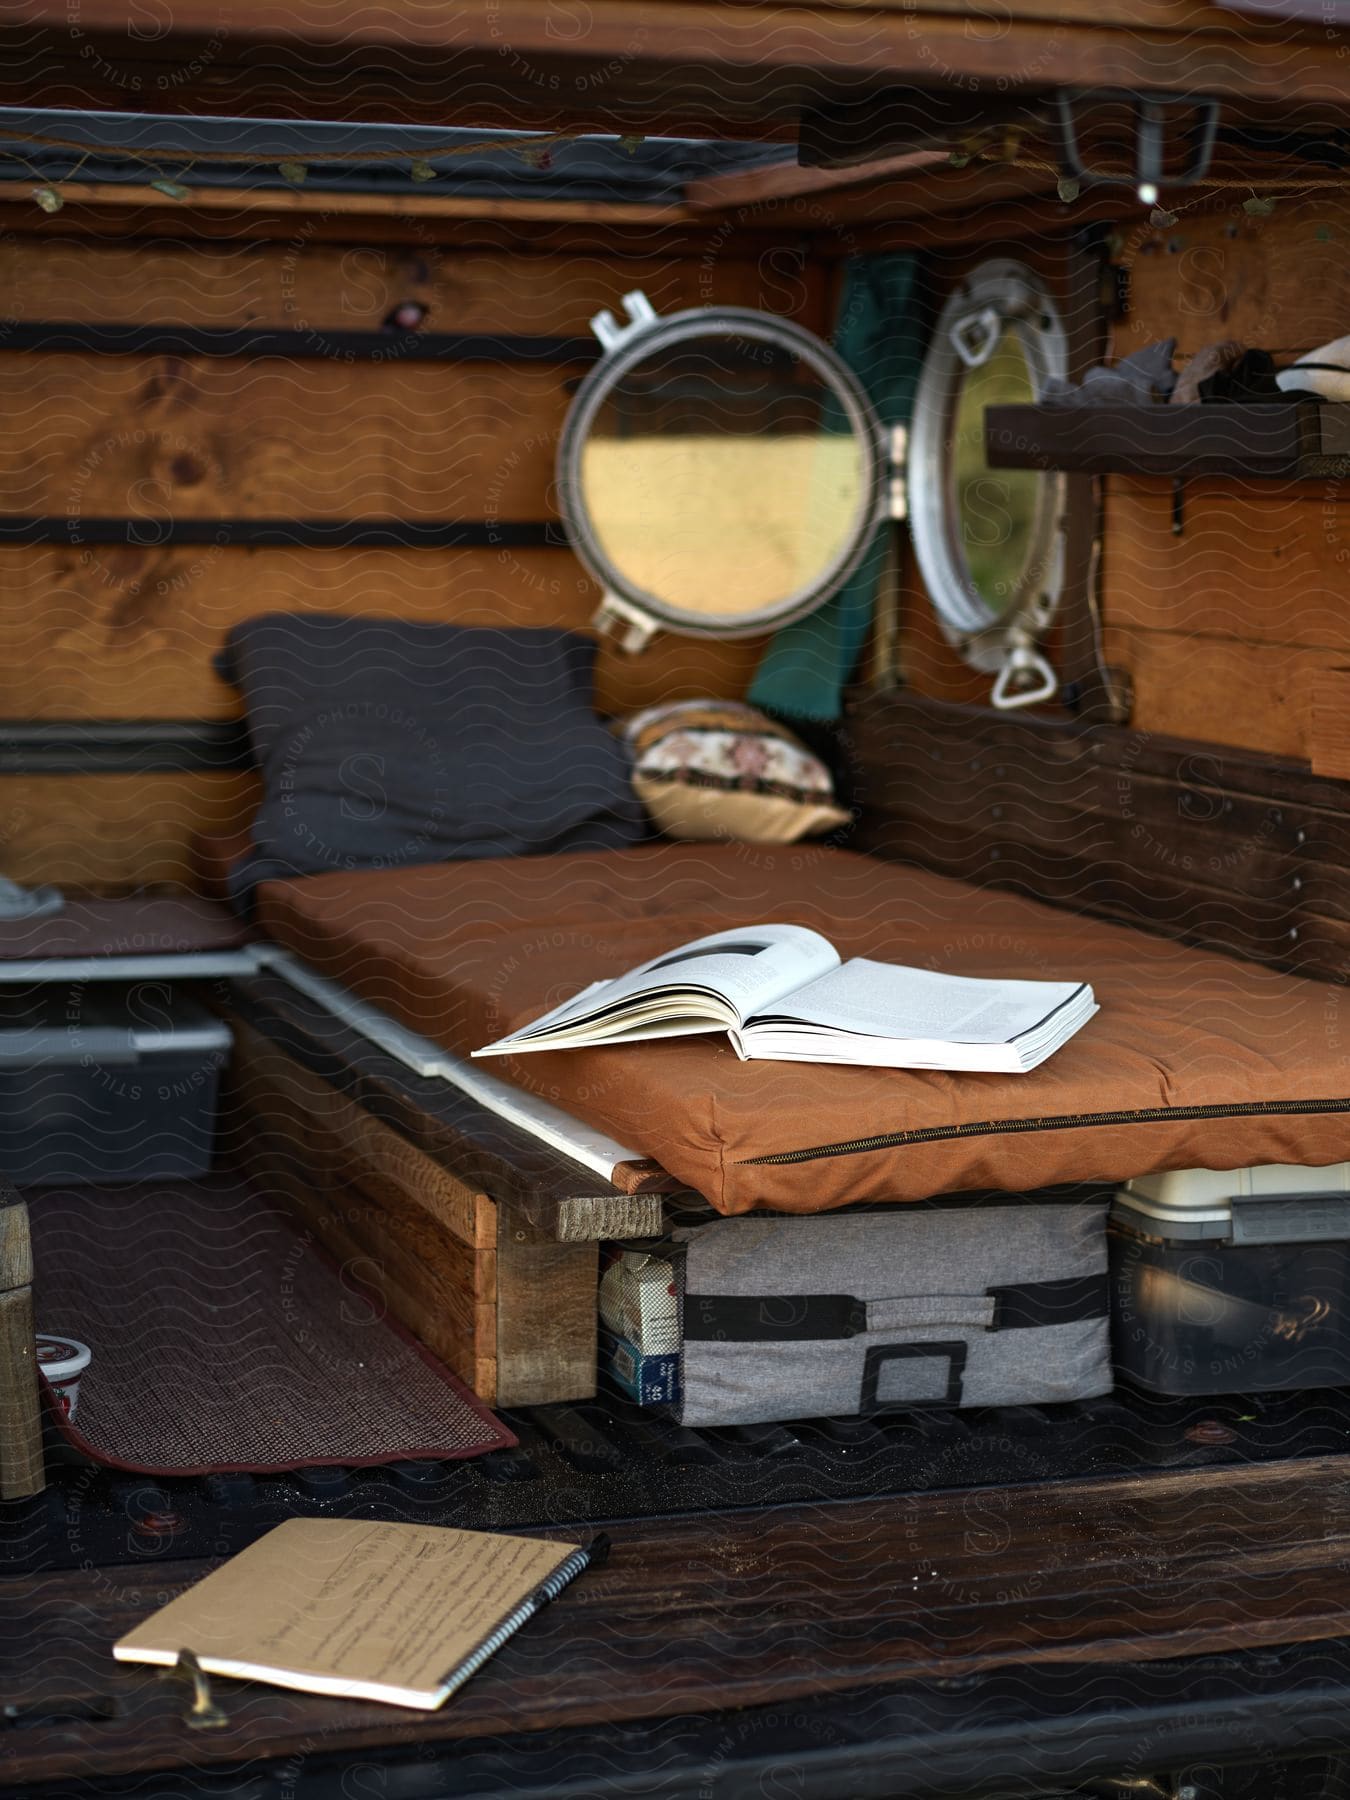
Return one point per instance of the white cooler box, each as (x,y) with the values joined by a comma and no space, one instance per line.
(1232,1281)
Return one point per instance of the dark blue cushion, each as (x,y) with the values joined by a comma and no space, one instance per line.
(383,742)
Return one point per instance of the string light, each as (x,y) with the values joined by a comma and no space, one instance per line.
(534,152)
(1263,194)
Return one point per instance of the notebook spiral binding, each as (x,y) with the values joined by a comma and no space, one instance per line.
(547,1590)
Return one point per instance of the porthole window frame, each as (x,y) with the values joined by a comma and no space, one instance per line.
(998,296)
(636,614)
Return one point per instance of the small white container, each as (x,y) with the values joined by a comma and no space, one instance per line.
(63,1360)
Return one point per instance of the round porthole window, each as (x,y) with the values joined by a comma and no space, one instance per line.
(989,542)
(720,472)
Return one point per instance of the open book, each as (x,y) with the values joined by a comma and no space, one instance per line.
(781,994)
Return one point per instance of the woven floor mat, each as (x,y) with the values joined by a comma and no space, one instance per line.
(223,1340)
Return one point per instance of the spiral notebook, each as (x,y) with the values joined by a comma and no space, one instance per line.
(371,1611)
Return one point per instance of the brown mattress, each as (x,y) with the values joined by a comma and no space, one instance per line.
(1195,1059)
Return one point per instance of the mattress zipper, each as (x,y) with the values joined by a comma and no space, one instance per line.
(934,1134)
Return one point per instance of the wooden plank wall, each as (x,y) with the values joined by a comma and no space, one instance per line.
(1233,850)
(94,633)
(1233,628)
(1231,631)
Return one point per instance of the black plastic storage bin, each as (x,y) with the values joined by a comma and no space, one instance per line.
(1225,1283)
(107,1083)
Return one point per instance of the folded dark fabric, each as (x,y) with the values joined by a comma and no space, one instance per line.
(1247,378)
(383,743)
(1223,371)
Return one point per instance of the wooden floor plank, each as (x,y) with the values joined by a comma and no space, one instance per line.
(755,1607)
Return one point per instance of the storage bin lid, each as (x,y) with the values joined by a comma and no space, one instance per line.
(63,1025)
(1272,1203)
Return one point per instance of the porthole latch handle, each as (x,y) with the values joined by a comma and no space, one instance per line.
(1025,679)
(976,336)
(618,618)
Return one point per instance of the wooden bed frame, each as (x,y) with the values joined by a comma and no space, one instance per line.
(480,1239)
(484,1242)
(493,1261)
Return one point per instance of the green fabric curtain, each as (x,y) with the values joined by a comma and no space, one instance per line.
(879,334)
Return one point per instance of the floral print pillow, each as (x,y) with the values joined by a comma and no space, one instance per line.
(710,769)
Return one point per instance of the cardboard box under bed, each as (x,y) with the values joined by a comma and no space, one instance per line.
(1196,1059)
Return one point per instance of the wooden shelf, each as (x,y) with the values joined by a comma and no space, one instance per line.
(1268,440)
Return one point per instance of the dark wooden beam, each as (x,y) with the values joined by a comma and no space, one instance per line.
(122,746)
(1227,848)
(253,342)
(257,534)
(130,220)
(693,66)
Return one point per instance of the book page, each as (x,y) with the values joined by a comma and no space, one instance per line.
(746,969)
(364,1602)
(892,1001)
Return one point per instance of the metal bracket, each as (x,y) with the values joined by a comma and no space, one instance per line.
(897,488)
(537,1118)
(1152,113)
(1119,686)
(641,317)
(202,1713)
(619,618)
